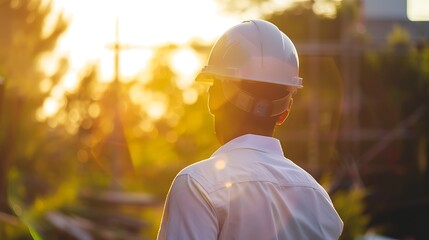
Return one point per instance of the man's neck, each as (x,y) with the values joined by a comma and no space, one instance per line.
(229,135)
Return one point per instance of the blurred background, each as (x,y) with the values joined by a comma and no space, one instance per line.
(99,111)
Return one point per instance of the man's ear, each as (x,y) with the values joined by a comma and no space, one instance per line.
(284,115)
(214,100)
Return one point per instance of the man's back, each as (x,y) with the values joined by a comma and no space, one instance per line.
(249,190)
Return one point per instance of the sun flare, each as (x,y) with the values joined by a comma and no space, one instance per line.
(186,64)
(142,25)
(138,26)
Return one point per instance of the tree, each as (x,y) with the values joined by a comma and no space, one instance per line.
(163,125)
(23,42)
(398,170)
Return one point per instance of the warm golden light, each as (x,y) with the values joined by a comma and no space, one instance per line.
(326,8)
(50,107)
(190,96)
(146,126)
(94,110)
(155,109)
(186,64)
(220,164)
(48,63)
(133,61)
(142,26)
(45,85)
(136,93)
(82,155)
(69,82)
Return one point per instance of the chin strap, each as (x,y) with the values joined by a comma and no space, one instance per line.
(256,106)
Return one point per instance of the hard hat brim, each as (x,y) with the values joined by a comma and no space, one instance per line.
(205,77)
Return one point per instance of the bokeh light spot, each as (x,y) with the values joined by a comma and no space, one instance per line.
(94,110)
(185,63)
(50,107)
(156,109)
(190,96)
(220,164)
(45,85)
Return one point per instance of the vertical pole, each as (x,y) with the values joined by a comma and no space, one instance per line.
(116,157)
(116,49)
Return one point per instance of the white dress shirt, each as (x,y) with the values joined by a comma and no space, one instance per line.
(248,190)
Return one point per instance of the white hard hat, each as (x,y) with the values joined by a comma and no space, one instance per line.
(254,50)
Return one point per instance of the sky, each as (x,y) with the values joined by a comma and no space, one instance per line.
(142,24)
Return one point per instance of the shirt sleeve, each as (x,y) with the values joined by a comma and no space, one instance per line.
(188,213)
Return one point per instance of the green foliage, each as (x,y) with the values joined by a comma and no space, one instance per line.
(350,205)
(121,141)
(395,83)
(312,27)
(24,143)
(398,37)
(13,229)
(23,42)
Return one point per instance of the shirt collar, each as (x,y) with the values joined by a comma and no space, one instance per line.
(251,141)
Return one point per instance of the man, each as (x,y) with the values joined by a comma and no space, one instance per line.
(247,189)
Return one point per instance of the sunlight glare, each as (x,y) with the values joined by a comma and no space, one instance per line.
(58,91)
(40,116)
(50,106)
(70,82)
(45,85)
(190,96)
(143,25)
(186,64)
(156,109)
(326,8)
(136,92)
(49,64)
(53,103)
(132,61)
(220,164)
(107,66)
